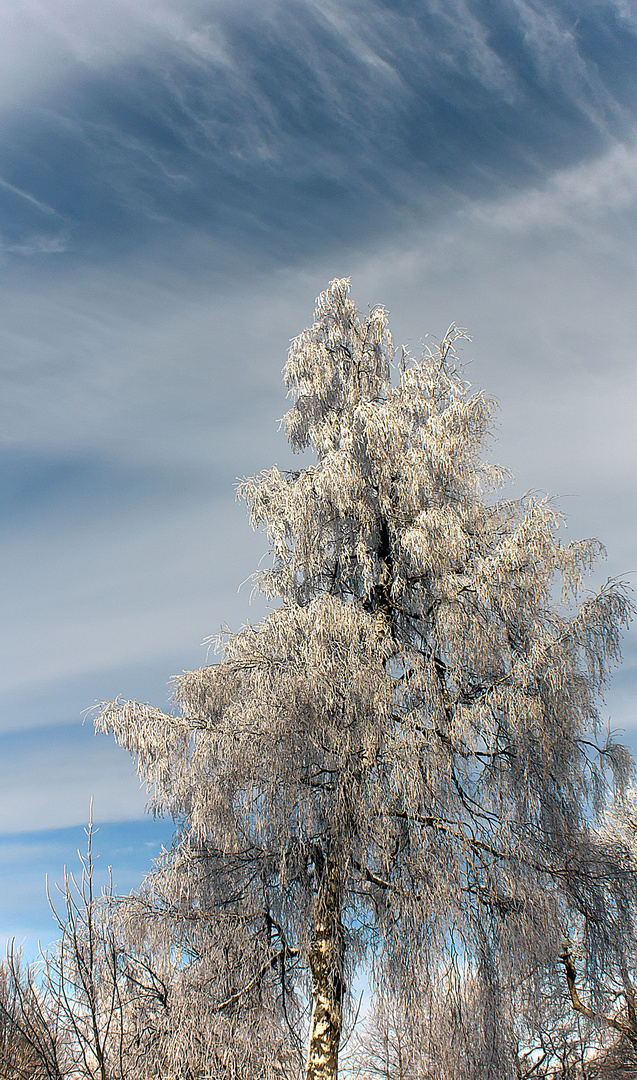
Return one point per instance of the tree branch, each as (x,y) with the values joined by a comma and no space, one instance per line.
(628,1030)
(236,997)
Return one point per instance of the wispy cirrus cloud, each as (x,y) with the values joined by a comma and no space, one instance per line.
(579,197)
(276,126)
(25,195)
(54,782)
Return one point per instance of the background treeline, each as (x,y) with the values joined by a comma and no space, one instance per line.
(123,996)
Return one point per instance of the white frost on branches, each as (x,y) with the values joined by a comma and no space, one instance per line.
(398,766)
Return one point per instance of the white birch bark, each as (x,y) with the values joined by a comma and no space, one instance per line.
(326,959)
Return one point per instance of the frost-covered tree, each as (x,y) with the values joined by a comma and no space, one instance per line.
(398,767)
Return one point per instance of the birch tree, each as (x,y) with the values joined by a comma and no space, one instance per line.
(400,766)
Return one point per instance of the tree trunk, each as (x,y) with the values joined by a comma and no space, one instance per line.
(326,965)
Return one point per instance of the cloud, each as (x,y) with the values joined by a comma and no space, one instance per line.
(25,195)
(571,198)
(49,782)
(278,126)
(25,233)
(36,245)
(143,363)
(42,40)
(98,594)
(152,363)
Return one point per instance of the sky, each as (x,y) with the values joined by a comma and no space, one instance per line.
(178,181)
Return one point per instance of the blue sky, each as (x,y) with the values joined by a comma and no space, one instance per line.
(178,180)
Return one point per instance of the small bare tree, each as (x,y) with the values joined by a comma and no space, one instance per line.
(128,991)
(386,1045)
(29,1037)
(82,977)
(70,1010)
(399,765)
